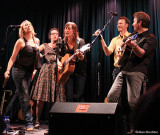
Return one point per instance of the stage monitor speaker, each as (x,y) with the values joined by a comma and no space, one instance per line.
(83,119)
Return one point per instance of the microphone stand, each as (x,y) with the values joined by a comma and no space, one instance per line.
(58,47)
(99,63)
(102,30)
(2,50)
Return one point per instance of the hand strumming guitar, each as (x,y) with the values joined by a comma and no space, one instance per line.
(59,65)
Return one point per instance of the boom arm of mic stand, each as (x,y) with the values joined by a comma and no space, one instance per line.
(102,30)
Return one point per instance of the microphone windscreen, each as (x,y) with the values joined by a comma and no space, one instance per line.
(59,41)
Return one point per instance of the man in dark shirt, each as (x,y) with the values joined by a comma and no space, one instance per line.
(135,69)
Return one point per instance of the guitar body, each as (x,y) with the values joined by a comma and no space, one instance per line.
(125,56)
(68,69)
(126,51)
(20,115)
(68,62)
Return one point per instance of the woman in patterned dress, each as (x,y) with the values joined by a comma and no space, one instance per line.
(46,89)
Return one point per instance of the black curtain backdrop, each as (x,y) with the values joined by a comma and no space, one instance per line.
(89,16)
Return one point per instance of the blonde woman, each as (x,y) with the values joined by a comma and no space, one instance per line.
(22,63)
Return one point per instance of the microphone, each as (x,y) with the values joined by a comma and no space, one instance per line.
(59,41)
(59,44)
(15,26)
(113,13)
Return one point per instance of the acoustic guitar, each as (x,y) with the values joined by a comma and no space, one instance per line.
(68,66)
(126,51)
(20,115)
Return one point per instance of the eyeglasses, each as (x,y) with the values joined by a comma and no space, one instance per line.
(54,33)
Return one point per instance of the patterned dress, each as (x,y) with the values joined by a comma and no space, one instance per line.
(45,85)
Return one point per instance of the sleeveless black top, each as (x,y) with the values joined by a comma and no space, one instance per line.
(26,58)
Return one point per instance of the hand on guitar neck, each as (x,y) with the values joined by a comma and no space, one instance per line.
(79,54)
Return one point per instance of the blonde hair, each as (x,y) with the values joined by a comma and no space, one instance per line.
(75,31)
(21,30)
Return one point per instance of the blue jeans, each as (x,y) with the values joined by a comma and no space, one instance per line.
(75,88)
(134,82)
(22,81)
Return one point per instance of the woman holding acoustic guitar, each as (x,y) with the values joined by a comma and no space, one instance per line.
(72,43)
(23,62)
(47,89)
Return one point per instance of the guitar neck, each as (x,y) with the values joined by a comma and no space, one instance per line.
(69,59)
(124,47)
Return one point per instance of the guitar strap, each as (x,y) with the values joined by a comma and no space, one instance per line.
(77,44)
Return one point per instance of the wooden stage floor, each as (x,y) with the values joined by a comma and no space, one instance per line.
(19,129)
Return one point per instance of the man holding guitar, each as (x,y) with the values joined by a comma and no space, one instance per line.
(135,69)
(122,26)
(74,81)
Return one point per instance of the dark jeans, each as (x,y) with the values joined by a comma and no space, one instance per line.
(75,88)
(22,81)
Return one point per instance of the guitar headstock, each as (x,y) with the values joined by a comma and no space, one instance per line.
(134,37)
